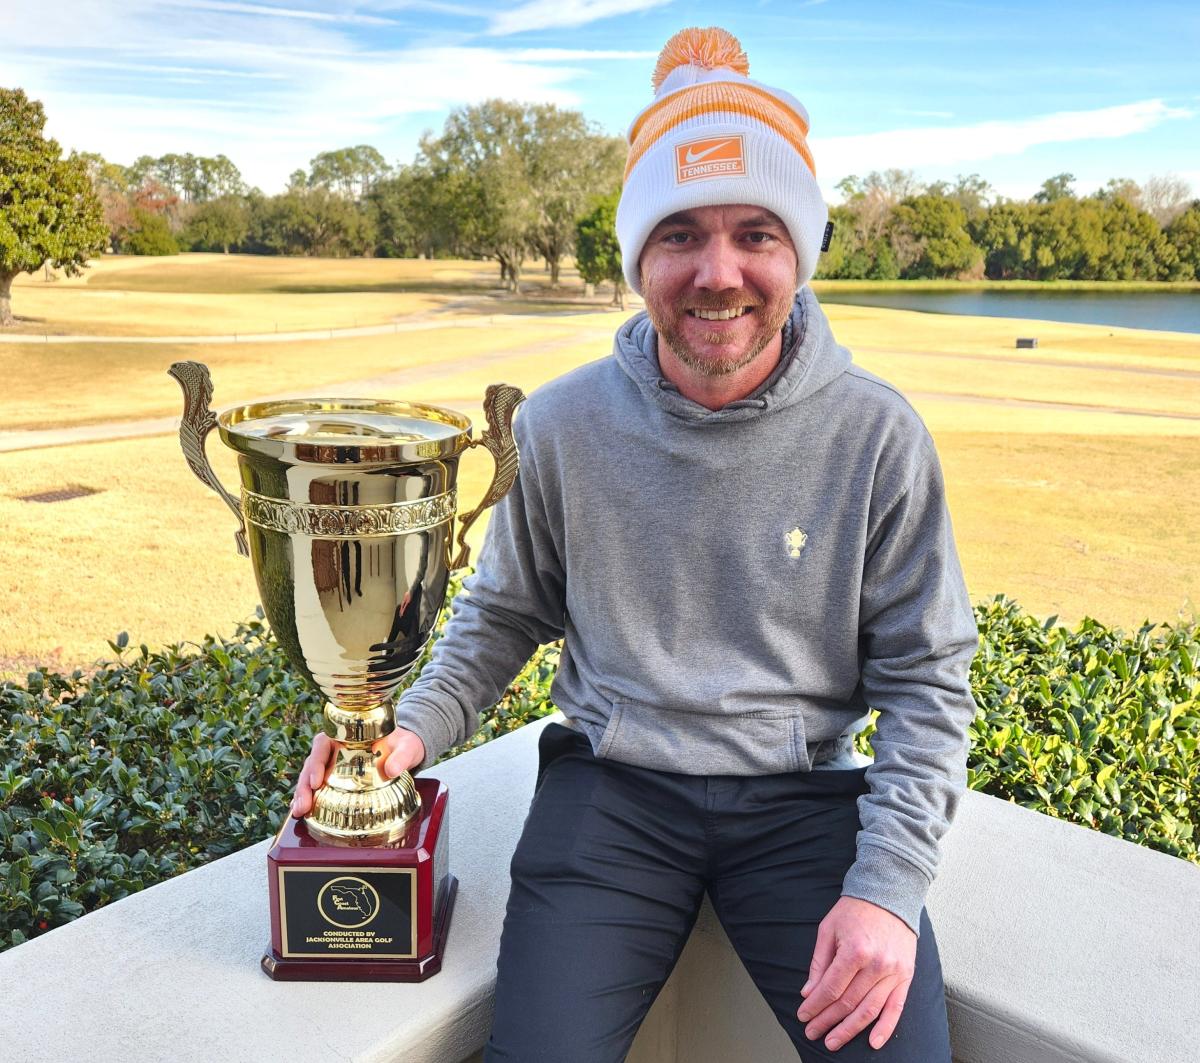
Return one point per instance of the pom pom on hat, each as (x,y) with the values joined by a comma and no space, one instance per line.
(709,49)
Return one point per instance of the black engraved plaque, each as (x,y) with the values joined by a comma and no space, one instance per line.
(348,912)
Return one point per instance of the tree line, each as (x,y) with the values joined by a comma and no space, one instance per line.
(890,227)
(502,180)
(507,181)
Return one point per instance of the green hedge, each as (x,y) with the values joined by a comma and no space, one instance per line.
(160,761)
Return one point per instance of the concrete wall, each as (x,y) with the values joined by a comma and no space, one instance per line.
(1058,944)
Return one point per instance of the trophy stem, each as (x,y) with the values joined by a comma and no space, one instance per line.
(358,805)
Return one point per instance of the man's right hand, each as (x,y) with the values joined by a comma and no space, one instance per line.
(402,750)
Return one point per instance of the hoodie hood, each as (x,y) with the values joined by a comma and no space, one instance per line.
(811,359)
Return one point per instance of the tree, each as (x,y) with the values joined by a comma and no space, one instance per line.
(1184,234)
(934,227)
(151,235)
(843,257)
(972,193)
(400,209)
(1004,236)
(1121,188)
(569,163)
(111,182)
(504,178)
(217,224)
(1165,197)
(222,178)
(190,178)
(1067,239)
(1055,188)
(1133,246)
(49,211)
(478,167)
(872,199)
(350,172)
(597,253)
(311,221)
(877,249)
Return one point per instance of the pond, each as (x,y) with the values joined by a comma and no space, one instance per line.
(1174,311)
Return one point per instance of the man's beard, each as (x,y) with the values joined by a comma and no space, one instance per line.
(770,316)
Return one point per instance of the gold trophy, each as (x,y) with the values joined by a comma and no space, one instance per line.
(347,513)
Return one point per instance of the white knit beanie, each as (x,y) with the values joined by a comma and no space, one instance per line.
(712,137)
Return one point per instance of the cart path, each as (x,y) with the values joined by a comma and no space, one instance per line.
(364,387)
(155,426)
(411,324)
(1041,363)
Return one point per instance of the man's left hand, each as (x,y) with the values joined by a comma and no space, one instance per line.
(861,970)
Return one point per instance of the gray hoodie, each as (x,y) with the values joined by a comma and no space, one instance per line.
(735,588)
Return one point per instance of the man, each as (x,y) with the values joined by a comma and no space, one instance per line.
(742,539)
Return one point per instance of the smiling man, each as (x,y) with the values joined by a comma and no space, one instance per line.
(743,541)
(719,283)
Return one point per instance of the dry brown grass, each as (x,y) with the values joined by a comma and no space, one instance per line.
(152,553)
(61,385)
(202,294)
(1077,524)
(1071,508)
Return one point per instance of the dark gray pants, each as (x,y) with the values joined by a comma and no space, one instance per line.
(608,878)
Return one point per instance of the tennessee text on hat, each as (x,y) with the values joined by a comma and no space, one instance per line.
(710,157)
(713,136)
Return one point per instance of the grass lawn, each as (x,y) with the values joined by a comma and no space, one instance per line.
(198,294)
(61,385)
(152,553)
(1072,470)
(1066,523)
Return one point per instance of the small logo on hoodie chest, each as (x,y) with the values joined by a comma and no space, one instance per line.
(795,540)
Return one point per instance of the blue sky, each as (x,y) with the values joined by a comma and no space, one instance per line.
(1014,91)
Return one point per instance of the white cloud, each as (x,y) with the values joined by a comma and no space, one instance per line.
(148,27)
(548,14)
(308,99)
(144,77)
(135,69)
(438,6)
(904,148)
(269,11)
(563,55)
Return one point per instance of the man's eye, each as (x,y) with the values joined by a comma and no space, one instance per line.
(759,238)
(676,238)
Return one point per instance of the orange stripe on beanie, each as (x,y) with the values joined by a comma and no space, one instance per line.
(716,98)
(713,136)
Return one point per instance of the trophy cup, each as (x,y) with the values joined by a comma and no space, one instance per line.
(347,514)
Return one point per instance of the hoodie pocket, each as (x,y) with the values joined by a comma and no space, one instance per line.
(697,743)
(610,731)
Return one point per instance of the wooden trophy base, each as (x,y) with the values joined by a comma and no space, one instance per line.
(362,913)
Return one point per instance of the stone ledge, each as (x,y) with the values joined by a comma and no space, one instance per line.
(1059,945)
(172,972)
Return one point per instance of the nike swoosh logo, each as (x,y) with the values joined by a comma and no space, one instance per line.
(692,157)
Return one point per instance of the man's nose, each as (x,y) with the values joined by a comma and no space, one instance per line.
(718,266)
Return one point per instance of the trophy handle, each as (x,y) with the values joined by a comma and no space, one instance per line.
(500,403)
(198,420)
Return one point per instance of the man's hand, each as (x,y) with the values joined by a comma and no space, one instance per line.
(402,751)
(861,969)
